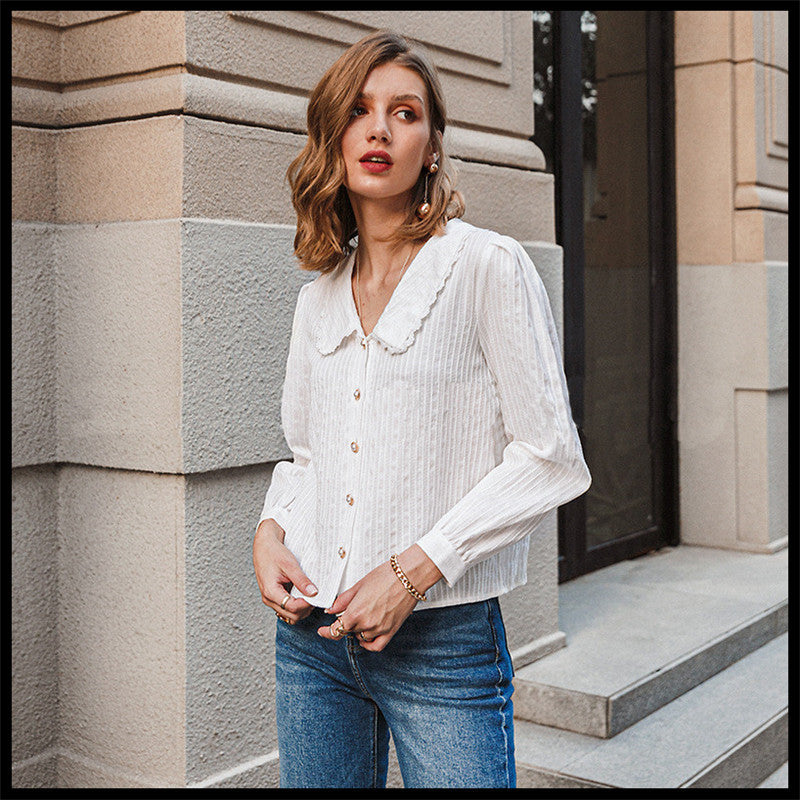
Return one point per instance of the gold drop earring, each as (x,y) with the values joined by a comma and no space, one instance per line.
(423,210)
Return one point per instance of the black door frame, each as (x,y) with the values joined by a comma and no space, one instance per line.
(574,557)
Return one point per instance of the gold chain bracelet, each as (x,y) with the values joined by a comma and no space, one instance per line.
(404,579)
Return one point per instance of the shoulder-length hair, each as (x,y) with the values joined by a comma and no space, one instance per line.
(326,224)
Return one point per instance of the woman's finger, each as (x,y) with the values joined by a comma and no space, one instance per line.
(335,631)
(377,644)
(342,600)
(298,578)
(280,601)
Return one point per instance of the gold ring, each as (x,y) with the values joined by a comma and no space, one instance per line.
(339,631)
(279,616)
(361,634)
(285,601)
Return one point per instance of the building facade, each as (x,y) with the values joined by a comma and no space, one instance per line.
(153,286)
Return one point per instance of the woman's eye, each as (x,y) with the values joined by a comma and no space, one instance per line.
(410,114)
(358,111)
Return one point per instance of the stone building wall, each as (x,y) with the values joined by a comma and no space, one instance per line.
(154,284)
(731,131)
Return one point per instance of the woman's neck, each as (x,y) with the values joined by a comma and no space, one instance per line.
(380,259)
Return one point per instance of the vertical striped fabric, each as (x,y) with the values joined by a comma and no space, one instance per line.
(448,425)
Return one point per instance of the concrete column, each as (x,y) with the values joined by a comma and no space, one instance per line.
(732,179)
(154,284)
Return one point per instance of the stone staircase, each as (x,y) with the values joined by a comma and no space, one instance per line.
(675,675)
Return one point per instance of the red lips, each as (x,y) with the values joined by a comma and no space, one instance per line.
(381,154)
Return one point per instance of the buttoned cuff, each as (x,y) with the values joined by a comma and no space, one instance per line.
(444,555)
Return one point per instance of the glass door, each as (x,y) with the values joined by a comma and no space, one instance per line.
(602,98)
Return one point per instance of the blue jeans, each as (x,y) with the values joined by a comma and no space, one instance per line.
(442,686)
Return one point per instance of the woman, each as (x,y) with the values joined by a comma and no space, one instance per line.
(427,411)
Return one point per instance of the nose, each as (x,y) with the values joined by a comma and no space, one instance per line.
(379,130)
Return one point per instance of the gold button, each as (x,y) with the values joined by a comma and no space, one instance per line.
(342,552)
(363,342)
(349,499)
(354,446)
(356,394)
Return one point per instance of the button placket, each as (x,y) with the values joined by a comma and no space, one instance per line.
(354,471)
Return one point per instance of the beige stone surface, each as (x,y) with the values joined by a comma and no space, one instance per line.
(775,25)
(778,443)
(752,490)
(119,345)
(743,42)
(216,99)
(490,54)
(122,45)
(130,170)
(33,344)
(67,19)
(35,54)
(702,35)
(514,202)
(746,150)
(51,18)
(34,617)
(761,467)
(776,237)
(39,772)
(237,172)
(728,337)
(121,621)
(703,151)
(33,174)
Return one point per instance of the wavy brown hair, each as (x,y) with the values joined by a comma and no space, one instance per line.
(326,224)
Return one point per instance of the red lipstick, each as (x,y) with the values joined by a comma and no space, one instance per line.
(376,161)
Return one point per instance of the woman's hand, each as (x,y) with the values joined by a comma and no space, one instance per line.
(379,604)
(277,570)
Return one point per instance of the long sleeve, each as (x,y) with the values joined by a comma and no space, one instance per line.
(542,465)
(295,400)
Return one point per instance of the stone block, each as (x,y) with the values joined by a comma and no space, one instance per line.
(34,623)
(127,170)
(775,32)
(33,174)
(39,772)
(121,627)
(239,290)
(33,344)
(750,760)
(119,345)
(703,36)
(237,172)
(703,145)
(121,45)
(515,202)
(490,53)
(257,773)
(35,53)
(778,467)
(776,238)
(530,612)
(230,633)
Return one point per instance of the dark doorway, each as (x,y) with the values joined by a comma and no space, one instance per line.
(603,99)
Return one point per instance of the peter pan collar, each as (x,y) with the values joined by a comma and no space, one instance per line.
(409,305)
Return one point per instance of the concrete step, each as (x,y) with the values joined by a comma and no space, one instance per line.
(730,731)
(778,779)
(644,631)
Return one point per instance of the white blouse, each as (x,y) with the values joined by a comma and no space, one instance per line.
(448,425)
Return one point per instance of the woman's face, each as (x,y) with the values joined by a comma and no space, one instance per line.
(387,143)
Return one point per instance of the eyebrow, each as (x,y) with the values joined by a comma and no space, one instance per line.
(398,98)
